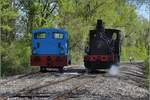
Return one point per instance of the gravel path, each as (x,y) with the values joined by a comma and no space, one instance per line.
(127,84)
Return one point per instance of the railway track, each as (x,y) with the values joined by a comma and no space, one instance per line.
(67,94)
(19,77)
(32,74)
(28,92)
(25,92)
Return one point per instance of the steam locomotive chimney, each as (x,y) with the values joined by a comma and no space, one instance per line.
(100,26)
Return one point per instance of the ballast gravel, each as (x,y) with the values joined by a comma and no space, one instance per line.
(127,84)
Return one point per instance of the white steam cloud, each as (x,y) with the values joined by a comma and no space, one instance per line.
(114,70)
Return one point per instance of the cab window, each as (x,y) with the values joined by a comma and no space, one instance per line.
(114,36)
(58,35)
(39,35)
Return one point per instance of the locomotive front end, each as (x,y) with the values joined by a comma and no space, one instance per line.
(103,49)
(49,48)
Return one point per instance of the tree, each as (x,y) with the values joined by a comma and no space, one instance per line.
(8,16)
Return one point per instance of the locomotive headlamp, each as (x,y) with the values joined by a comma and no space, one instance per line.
(33,51)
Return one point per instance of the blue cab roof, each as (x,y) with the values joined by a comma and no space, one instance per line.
(48,29)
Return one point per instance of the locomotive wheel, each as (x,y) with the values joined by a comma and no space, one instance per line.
(42,69)
(88,67)
(88,70)
(61,70)
(87,64)
(116,61)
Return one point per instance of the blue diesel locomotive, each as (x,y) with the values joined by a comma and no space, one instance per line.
(50,48)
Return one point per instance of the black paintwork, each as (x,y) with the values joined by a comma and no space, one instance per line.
(101,43)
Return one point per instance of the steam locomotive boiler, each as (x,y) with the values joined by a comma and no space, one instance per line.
(103,48)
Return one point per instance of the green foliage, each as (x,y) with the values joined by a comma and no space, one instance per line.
(135,52)
(8,15)
(15,58)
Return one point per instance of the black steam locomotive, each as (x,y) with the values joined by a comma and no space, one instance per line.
(103,47)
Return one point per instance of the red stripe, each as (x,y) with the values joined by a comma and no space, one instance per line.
(103,58)
(50,61)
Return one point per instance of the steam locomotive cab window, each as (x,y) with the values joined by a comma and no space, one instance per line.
(39,35)
(114,36)
(94,35)
(58,35)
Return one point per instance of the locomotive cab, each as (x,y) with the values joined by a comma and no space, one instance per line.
(103,47)
(49,48)
(115,35)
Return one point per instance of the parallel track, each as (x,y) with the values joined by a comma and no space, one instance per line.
(67,94)
(27,93)
(20,77)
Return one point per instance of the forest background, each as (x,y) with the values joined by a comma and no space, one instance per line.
(77,17)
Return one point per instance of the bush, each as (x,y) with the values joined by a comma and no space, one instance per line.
(76,56)
(15,58)
(135,52)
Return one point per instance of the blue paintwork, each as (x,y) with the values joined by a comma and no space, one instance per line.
(49,45)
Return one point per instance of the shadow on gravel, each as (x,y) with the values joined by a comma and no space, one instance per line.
(74,70)
(98,72)
(71,70)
